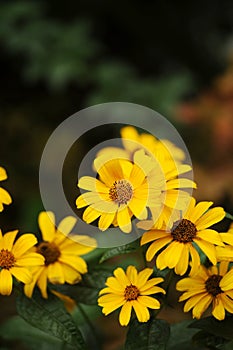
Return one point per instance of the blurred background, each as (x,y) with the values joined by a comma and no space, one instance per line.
(175,57)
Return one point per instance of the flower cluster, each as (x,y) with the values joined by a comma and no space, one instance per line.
(148,180)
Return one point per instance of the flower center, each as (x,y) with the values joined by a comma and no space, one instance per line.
(7,259)
(131,292)
(121,192)
(49,251)
(184,232)
(212,285)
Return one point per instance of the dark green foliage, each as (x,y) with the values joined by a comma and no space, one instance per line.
(152,335)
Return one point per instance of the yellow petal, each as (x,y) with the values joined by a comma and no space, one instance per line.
(182,265)
(5,282)
(76,262)
(190,208)
(42,282)
(5,197)
(227,302)
(226,282)
(121,277)
(173,253)
(210,236)
(112,306)
(46,222)
(201,306)
(210,218)
(218,309)
(153,235)
(143,277)
(124,220)
(132,274)
(180,183)
(208,249)
(190,283)
(73,246)
(125,314)
(223,267)
(105,221)
(66,225)
(141,311)
(90,214)
(22,274)
(28,288)
(71,276)
(3,174)
(138,206)
(151,283)
(199,210)
(114,284)
(227,237)
(55,273)
(23,244)
(156,246)
(30,259)
(195,260)
(92,184)
(150,302)
(192,293)
(8,240)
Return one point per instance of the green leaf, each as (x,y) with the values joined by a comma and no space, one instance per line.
(124,249)
(50,316)
(229,216)
(152,335)
(181,337)
(32,337)
(213,326)
(209,341)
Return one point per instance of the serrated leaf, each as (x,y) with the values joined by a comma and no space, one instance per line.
(152,335)
(124,249)
(213,326)
(32,337)
(50,316)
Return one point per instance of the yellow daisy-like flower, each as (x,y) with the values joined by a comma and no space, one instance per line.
(209,286)
(226,252)
(15,258)
(124,189)
(130,290)
(5,198)
(62,254)
(179,243)
(167,157)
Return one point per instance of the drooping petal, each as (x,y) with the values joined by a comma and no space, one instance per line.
(55,273)
(218,308)
(124,220)
(125,314)
(208,249)
(28,288)
(201,306)
(71,276)
(153,235)
(42,282)
(5,282)
(141,311)
(105,221)
(90,215)
(156,246)
(76,262)
(182,265)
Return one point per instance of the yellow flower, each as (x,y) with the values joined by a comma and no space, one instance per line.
(167,158)
(62,254)
(209,286)
(15,258)
(122,190)
(179,243)
(130,290)
(226,252)
(5,198)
